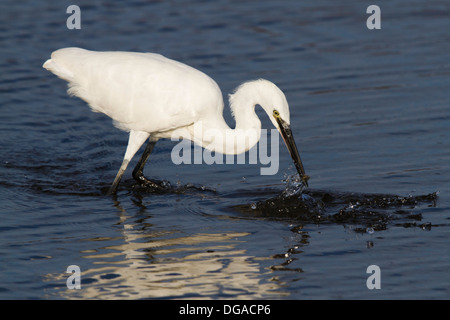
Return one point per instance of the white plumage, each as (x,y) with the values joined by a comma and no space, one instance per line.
(154,97)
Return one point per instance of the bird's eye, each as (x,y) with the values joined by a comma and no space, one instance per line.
(276,114)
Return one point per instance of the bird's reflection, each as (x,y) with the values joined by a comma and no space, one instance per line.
(152,262)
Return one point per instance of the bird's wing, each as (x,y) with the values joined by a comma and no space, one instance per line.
(139,91)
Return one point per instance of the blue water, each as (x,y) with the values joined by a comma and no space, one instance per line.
(370,111)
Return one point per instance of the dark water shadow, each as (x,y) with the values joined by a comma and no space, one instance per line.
(166,187)
(366,212)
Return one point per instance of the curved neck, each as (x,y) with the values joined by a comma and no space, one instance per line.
(216,135)
(213,133)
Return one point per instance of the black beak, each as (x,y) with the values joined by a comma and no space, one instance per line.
(286,134)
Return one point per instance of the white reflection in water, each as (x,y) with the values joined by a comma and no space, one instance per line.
(147,265)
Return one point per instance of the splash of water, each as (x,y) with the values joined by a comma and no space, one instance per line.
(366,212)
(293,185)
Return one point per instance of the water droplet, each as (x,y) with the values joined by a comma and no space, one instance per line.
(370,230)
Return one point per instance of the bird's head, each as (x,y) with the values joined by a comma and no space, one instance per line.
(284,128)
(276,106)
(273,101)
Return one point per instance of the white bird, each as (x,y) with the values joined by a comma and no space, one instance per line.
(153,97)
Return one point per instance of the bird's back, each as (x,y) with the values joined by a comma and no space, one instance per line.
(139,91)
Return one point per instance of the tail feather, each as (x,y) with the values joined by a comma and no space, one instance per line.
(58,70)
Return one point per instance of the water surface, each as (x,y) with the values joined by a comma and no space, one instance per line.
(369,110)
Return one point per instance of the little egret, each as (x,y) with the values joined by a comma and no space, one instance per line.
(153,97)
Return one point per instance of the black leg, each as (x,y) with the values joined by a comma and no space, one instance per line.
(139,169)
(122,169)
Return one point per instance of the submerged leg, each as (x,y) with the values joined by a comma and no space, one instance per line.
(135,141)
(138,174)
